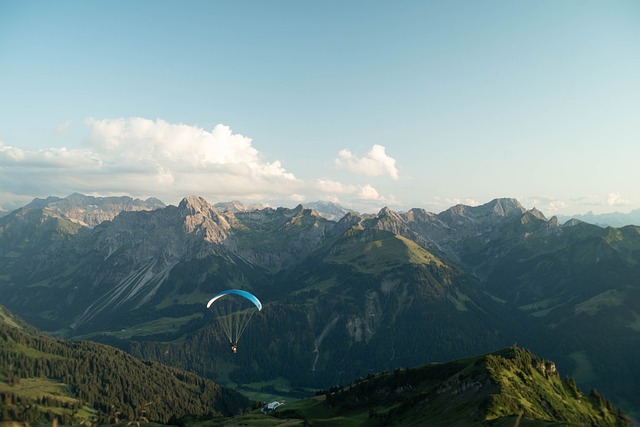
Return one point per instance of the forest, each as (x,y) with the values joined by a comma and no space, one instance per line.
(108,384)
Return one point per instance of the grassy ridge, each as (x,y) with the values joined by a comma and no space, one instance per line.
(509,387)
(380,252)
(49,398)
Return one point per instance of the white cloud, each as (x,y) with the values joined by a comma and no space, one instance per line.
(329,186)
(554,206)
(298,198)
(144,157)
(331,189)
(375,163)
(179,148)
(367,192)
(614,199)
(10,154)
(46,158)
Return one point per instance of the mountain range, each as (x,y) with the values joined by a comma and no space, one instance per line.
(342,298)
(613,219)
(92,214)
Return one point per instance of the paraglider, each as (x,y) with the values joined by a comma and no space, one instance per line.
(233,309)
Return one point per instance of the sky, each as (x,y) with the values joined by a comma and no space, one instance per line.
(404,104)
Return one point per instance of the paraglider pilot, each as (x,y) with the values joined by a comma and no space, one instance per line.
(230,319)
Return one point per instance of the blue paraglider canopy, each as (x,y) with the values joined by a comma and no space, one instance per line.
(240,292)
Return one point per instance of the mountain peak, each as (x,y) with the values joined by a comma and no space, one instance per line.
(202,217)
(385,211)
(195,204)
(536,213)
(329,210)
(495,210)
(505,206)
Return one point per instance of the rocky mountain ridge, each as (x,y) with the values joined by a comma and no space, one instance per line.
(90,211)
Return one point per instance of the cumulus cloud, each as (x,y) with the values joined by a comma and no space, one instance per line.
(375,163)
(367,192)
(46,158)
(556,206)
(615,199)
(179,148)
(298,198)
(329,186)
(145,157)
(331,190)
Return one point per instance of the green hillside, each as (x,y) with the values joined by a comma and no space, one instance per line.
(42,378)
(510,387)
(375,251)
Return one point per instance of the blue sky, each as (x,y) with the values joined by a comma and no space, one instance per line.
(366,103)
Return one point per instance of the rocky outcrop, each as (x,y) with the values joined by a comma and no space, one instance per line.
(547,368)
